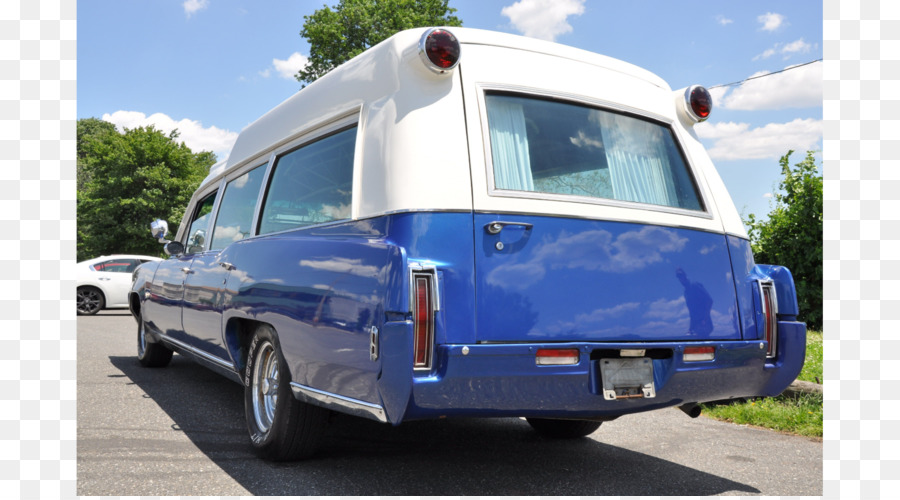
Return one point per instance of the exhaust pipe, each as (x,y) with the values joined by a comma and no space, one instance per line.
(690,409)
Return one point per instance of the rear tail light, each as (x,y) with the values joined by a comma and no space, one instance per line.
(700,353)
(423,308)
(697,103)
(557,357)
(439,50)
(770,319)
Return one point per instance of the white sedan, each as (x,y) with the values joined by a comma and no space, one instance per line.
(104,282)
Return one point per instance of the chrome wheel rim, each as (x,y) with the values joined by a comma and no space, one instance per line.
(265,386)
(88,301)
(142,339)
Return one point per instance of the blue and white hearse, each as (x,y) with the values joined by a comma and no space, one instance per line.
(470,224)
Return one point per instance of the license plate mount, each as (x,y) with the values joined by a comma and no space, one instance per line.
(627,378)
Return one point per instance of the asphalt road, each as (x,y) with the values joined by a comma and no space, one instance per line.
(180,431)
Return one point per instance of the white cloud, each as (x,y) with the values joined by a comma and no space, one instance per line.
(724,21)
(191,132)
(798,46)
(192,6)
(767,54)
(798,87)
(544,19)
(343,265)
(787,50)
(737,141)
(720,130)
(771,21)
(289,67)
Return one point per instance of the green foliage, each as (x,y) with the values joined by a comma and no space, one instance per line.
(800,415)
(125,181)
(87,130)
(812,366)
(337,34)
(792,236)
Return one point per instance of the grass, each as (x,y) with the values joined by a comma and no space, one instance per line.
(800,415)
(812,367)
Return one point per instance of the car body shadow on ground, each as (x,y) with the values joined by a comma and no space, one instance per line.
(362,457)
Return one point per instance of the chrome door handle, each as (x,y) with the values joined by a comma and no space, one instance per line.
(497,226)
(187,270)
(228,266)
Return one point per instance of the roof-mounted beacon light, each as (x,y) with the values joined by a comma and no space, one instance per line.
(439,49)
(697,103)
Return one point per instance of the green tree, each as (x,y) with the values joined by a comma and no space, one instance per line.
(125,181)
(87,130)
(337,34)
(792,236)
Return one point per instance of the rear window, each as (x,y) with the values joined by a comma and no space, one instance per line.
(116,266)
(559,148)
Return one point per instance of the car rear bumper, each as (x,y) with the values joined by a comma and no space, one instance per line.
(487,380)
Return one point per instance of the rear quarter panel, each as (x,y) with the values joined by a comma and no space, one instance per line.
(323,294)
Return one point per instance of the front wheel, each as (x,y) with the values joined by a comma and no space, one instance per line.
(563,429)
(280,426)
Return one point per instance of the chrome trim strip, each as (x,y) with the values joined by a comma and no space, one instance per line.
(193,350)
(427,268)
(428,271)
(586,200)
(773,344)
(337,402)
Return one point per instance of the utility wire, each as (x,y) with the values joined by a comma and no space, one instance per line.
(760,76)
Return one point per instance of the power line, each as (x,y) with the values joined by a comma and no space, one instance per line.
(760,76)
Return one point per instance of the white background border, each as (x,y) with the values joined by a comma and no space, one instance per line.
(37,222)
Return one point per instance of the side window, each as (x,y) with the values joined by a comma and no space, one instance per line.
(311,185)
(199,224)
(116,266)
(236,210)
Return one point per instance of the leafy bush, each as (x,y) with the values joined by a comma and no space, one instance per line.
(792,235)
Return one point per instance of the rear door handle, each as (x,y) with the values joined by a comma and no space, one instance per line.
(228,266)
(497,226)
(187,270)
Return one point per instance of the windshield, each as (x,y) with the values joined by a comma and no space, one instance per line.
(560,148)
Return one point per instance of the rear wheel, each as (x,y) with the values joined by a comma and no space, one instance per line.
(563,429)
(151,354)
(280,426)
(89,300)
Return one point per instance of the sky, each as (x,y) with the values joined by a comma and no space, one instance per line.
(211,67)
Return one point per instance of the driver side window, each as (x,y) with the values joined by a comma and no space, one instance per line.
(196,241)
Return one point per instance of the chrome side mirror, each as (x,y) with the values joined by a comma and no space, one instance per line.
(159,228)
(173,248)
